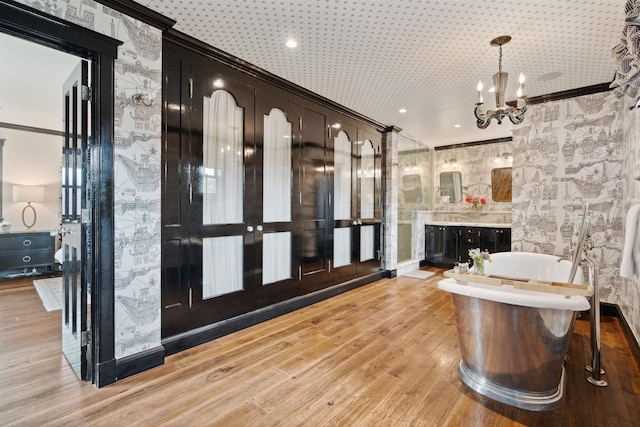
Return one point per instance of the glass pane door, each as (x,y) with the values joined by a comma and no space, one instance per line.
(277,200)
(222,175)
(369,193)
(277,185)
(222,157)
(343,261)
(342,199)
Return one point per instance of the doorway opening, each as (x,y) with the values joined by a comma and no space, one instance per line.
(44,167)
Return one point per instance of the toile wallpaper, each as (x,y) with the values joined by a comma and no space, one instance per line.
(627,294)
(137,130)
(568,152)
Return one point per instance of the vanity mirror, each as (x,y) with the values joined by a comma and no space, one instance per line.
(501,184)
(451,186)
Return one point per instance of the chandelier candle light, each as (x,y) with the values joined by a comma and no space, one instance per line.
(515,113)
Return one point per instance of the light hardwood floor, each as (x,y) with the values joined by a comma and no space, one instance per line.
(385,354)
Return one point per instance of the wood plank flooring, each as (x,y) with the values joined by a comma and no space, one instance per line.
(385,354)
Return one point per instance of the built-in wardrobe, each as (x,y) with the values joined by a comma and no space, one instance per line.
(270,195)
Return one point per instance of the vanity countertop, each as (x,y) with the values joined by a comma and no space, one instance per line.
(470,224)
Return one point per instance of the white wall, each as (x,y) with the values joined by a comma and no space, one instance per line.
(32,159)
(30,92)
(31,95)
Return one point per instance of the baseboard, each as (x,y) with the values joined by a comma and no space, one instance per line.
(105,373)
(134,364)
(610,310)
(390,274)
(184,341)
(613,310)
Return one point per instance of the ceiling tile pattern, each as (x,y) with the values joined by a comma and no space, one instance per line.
(377,56)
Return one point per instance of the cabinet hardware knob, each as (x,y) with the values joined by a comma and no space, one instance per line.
(250,228)
(26,258)
(26,242)
(259,228)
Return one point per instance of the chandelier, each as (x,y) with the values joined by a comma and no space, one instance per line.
(514,112)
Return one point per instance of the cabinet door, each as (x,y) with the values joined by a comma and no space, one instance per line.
(434,243)
(221,216)
(495,239)
(276,213)
(343,260)
(452,236)
(503,241)
(489,239)
(314,201)
(368,185)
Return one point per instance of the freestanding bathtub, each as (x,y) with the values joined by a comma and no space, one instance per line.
(513,342)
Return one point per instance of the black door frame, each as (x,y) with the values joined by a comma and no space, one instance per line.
(26,23)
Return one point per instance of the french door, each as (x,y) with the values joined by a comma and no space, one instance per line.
(75,308)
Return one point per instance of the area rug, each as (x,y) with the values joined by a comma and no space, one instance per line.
(418,274)
(50,292)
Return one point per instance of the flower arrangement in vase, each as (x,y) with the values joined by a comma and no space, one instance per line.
(479,257)
(476,201)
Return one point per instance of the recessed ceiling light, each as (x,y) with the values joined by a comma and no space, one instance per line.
(291,43)
(402,110)
(457,125)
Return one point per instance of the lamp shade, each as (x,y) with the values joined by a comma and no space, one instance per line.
(28,193)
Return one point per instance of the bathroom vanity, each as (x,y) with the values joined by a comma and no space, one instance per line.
(449,243)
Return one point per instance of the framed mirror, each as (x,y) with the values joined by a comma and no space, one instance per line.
(501,184)
(451,187)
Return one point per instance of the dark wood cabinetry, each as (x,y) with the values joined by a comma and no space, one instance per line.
(28,250)
(495,239)
(268,195)
(442,244)
(434,243)
(447,245)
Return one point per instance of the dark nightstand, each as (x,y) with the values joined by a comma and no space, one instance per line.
(26,251)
